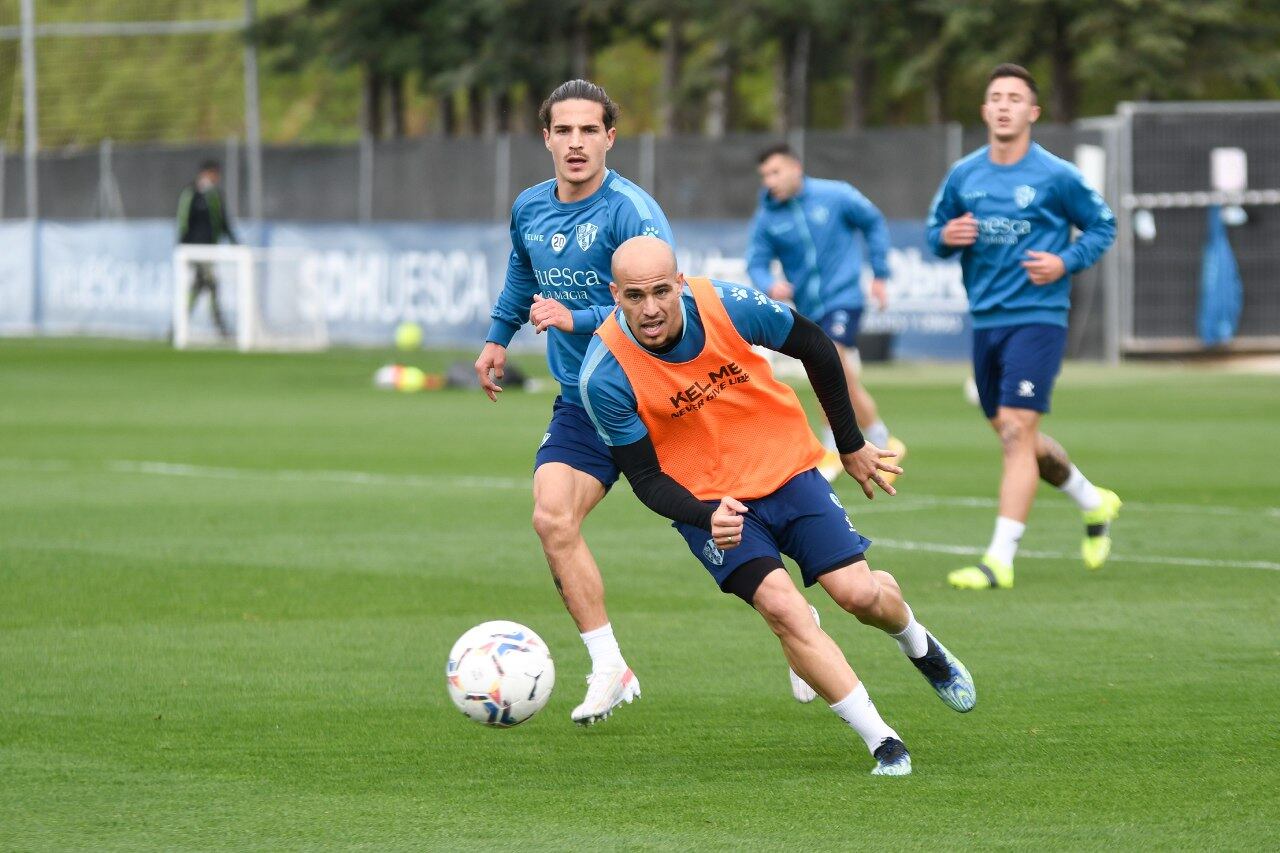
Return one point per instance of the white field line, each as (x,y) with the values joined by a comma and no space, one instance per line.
(363,478)
(354,478)
(883,503)
(965,550)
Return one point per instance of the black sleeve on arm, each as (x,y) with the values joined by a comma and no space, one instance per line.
(821,360)
(656,490)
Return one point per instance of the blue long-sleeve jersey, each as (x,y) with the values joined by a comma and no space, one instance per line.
(1028,205)
(563,252)
(814,235)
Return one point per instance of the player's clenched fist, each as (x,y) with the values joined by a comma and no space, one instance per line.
(961,231)
(548,314)
(726,523)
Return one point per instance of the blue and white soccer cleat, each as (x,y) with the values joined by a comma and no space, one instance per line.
(606,690)
(892,758)
(948,676)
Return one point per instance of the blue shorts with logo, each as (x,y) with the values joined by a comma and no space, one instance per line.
(841,325)
(1016,365)
(572,439)
(804,520)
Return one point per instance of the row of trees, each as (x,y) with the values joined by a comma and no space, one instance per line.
(713,66)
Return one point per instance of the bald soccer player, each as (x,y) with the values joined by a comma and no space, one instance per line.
(710,439)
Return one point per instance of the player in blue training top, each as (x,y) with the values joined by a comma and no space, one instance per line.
(811,226)
(1008,209)
(563,234)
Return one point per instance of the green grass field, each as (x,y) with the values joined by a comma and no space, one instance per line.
(228,585)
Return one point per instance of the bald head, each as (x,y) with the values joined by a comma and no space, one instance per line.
(647,285)
(643,259)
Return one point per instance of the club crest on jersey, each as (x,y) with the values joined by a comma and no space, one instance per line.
(712,554)
(1024,195)
(557,242)
(587,235)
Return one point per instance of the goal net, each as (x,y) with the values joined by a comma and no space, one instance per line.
(252,298)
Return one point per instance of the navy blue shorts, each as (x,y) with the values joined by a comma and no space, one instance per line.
(572,439)
(804,520)
(1015,366)
(841,325)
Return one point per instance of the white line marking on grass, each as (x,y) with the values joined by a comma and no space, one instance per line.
(965,550)
(358,478)
(914,503)
(901,503)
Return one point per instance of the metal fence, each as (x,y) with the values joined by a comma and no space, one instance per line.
(475,179)
(1164,153)
(1142,298)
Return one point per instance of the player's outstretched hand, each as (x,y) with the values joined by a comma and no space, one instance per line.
(781,291)
(865,466)
(961,231)
(1044,267)
(492,362)
(880,293)
(549,313)
(726,523)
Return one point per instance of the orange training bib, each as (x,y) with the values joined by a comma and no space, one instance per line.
(721,423)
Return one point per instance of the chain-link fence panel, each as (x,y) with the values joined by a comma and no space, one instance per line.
(700,178)
(1170,185)
(434,179)
(899,169)
(150,177)
(316,183)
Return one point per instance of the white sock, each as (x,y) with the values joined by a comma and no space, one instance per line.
(1004,542)
(860,713)
(912,639)
(1080,490)
(603,648)
(828,439)
(878,434)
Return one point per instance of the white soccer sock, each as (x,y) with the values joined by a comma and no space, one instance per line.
(1080,490)
(828,439)
(860,713)
(603,648)
(1004,542)
(878,434)
(913,638)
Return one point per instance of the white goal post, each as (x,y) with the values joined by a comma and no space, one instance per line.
(265,303)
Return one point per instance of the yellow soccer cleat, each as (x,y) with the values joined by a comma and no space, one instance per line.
(896,445)
(831,467)
(989,573)
(1096,547)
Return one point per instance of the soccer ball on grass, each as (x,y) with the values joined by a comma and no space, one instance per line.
(500,673)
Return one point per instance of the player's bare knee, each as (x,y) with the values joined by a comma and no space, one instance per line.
(886,581)
(1015,436)
(783,609)
(861,597)
(555,526)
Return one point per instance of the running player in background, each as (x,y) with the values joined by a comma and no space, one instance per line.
(1007,209)
(563,235)
(811,225)
(710,439)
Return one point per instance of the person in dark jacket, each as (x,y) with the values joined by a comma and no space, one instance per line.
(203,219)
